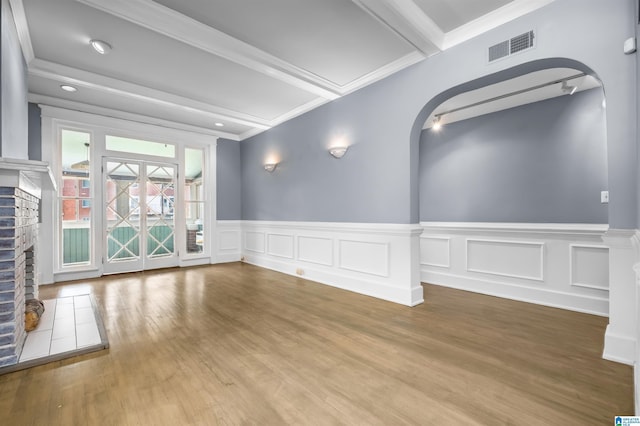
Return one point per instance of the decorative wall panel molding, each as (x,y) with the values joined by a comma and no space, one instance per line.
(435,251)
(280,245)
(365,257)
(515,259)
(537,263)
(590,266)
(371,259)
(315,250)
(254,241)
(228,244)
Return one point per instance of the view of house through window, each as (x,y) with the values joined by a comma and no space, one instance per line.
(194,200)
(75,197)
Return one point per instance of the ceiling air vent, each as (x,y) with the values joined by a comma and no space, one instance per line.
(509,47)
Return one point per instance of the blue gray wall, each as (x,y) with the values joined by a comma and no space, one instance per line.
(35,132)
(377,181)
(228,180)
(543,162)
(13,92)
(309,184)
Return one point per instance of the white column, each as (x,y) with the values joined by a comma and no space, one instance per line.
(621,335)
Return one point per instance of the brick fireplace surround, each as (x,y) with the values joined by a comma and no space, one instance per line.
(21,184)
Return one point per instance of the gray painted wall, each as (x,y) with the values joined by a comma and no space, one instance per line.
(377,181)
(35,132)
(228,180)
(309,184)
(14,115)
(543,162)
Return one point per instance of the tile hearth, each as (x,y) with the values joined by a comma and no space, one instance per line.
(68,324)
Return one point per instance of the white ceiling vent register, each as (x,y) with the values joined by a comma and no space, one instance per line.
(514,45)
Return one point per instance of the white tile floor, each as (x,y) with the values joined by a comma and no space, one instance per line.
(68,323)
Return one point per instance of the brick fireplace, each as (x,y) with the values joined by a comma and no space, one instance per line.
(20,192)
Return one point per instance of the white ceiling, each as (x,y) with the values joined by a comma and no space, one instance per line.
(249,64)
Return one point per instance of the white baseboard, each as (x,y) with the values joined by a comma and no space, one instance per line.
(378,260)
(619,348)
(522,293)
(636,382)
(559,265)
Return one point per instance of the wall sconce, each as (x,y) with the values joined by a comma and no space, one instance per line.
(338,151)
(270,167)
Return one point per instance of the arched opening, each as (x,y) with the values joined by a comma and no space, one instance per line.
(531,149)
(511,189)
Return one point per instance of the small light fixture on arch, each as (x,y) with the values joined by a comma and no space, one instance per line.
(338,151)
(437,125)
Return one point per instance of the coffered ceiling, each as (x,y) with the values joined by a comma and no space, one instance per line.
(246,64)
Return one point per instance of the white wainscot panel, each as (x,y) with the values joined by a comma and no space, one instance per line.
(590,266)
(507,258)
(434,251)
(366,257)
(280,245)
(229,240)
(315,250)
(254,241)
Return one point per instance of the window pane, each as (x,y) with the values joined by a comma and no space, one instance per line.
(75,153)
(194,199)
(195,227)
(75,197)
(138,146)
(75,234)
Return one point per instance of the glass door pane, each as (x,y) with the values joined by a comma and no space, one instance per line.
(160,210)
(140,224)
(123,220)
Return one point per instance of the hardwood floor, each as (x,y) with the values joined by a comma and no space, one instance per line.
(237,344)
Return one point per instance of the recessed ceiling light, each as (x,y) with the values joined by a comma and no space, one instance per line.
(68,88)
(219,125)
(102,47)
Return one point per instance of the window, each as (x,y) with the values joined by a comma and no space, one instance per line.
(194,200)
(75,197)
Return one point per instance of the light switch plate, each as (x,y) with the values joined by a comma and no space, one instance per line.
(604,197)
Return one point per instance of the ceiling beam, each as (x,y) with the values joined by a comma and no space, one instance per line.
(20,20)
(83,108)
(170,23)
(407,20)
(81,78)
(491,20)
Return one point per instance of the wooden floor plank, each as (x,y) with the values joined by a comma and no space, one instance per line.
(237,344)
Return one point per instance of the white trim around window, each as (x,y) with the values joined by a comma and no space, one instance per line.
(53,120)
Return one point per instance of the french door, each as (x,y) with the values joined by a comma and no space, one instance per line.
(139,220)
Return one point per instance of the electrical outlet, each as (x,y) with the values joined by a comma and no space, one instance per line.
(604,197)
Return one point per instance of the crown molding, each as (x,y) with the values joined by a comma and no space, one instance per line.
(81,78)
(50,104)
(20,20)
(170,23)
(491,20)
